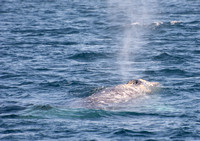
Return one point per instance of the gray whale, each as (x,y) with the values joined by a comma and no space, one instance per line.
(119,94)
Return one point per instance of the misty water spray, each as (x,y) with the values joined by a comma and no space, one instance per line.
(136,17)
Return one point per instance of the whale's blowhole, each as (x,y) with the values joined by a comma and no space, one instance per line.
(135,82)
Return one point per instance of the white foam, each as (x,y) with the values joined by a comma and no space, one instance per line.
(158,23)
(135,23)
(174,22)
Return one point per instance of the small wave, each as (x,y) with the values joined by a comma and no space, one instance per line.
(7,87)
(58,83)
(183,132)
(47,111)
(9,116)
(68,30)
(12,131)
(11,108)
(89,113)
(88,56)
(166,57)
(7,75)
(43,107)
(174,71)
(69,43)
(163,56)
(128,132)
(40,68)
(196,51)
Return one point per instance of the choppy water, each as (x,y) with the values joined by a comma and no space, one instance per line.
(54,53)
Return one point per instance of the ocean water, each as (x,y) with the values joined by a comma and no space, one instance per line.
(55,53)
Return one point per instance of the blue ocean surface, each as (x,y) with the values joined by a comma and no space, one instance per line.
(55,53)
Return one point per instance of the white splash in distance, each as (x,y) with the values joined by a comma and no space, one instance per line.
(175,22)
(158,23)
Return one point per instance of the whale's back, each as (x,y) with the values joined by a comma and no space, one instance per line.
(110,96)
(119,94)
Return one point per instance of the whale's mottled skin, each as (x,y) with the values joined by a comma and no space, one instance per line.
(119,93)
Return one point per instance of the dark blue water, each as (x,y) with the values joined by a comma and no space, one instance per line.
(54,53)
